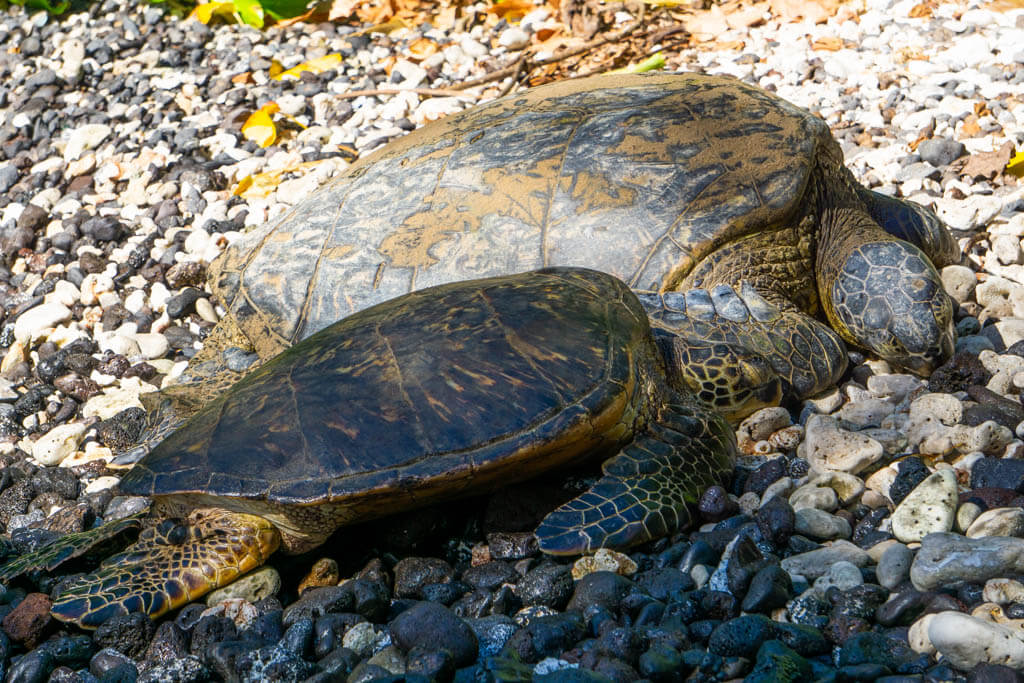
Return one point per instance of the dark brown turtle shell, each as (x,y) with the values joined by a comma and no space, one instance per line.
(467,384)
(641,176)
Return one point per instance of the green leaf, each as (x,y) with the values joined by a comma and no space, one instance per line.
(250,11)
(53,8)
(285,9)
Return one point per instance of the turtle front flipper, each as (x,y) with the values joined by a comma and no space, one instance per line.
(739,352)
(645,489)
(169,566)
(67,547)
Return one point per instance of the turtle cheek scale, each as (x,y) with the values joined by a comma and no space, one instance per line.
(889,299)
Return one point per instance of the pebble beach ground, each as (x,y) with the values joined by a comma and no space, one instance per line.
(873,533)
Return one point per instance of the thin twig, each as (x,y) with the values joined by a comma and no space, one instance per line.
(513,71)
(526,63)
(514,78)
(430,92)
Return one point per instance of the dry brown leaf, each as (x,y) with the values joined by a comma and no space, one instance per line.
(343,9)
(987,165)
(814,11)
(381,12)
(723,45)
(421,48)
(707,24)
(920,138)
(745,16)
(831,44)
(548,32)
(970,128)
(555,41)
(922,11)
(393,24)
(314,15)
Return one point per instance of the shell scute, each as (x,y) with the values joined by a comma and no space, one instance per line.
(639,176)
(427,389)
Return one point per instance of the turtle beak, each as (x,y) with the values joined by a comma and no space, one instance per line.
(924,364)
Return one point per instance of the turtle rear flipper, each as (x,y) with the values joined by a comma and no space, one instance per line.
(169,566)
(67,547)
(169,408)
(645,489)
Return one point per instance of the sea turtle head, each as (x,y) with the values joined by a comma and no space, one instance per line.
(888,298)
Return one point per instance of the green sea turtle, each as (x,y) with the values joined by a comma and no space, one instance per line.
(668,181)
(455,389)
(727,206)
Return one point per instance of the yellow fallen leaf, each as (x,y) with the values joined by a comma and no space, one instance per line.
(259,127)
(258,186)
(317,66)
(262,185)
(1016,165)
(206,12)
(512,10)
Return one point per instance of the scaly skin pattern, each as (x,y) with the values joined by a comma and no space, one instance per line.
(877,291)
(646,488)
(67,547)
(169,566)
(738,352)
